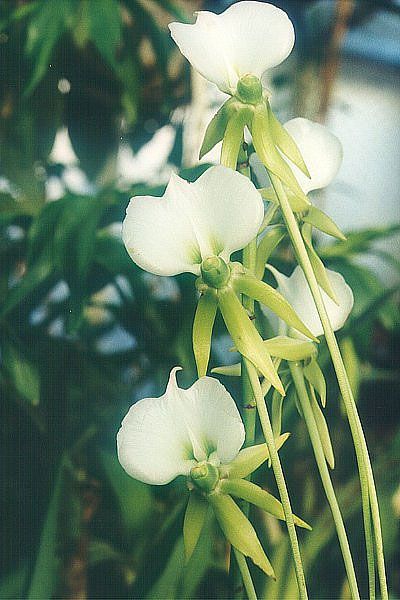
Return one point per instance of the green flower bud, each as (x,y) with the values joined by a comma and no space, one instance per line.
(215,272)
(249,89)
(205,476)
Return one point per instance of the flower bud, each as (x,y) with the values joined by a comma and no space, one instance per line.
(215,272)
(249,89)
(205,476)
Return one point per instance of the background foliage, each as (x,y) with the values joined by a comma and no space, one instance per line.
(84,332)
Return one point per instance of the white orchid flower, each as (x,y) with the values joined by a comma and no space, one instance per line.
(161,438)
(247,39)
(321,150)
(217,214)
(297,292)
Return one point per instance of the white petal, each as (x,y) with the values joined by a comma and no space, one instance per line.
(229,212)
(295,289)
(153,443)
(219,213)
(213,418)
(249,37)
(321,150)
(158,233)
(261,36)
(161,438)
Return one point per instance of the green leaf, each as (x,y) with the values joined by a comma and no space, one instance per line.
(315,377)
(317,264)
(250,492)
(44,30)
(316,217)
(359,241)
(193,523)
(215,130)
(245,336)
(203,324)
(285,142)
(323,430)
(239,531)
(22,371)
(33,278)
(249,459)
(134,498)
(290,348)
(13,585)
(104,17)
(45,574)
(266,246)
(265,294)
(168,584)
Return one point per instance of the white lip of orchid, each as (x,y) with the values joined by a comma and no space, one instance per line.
(321,150)
(161,438)
(296,291)
(247,38)
(189,224)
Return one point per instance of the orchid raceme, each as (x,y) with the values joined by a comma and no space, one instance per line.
(296,290)
(247,39)
(217,214)
(198,433)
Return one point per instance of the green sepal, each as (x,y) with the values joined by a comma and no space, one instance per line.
(249,459)
(317,264)
(216,128)
(249,285)
(239,531)
(315,377)
(233,137)
(195,516)
(323,431)
(203,323)
(289,348)
(250,492)
(228,370)
(267,245)
(316,217)
(286,143)
(297,204)
(264,146)
(245,336)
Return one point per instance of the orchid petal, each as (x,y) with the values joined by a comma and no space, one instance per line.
(161,438)
(297,292)
(321,150)
(248,38)
(173,234)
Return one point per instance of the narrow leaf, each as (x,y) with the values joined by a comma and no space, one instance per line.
(23,373)
(270,297)
(239,531)
(195,517)
(203,324)
(246,337)
(286,143)
(315,377)
(321,221)
(249,459)
(250,492)
(267,245)
(290,348)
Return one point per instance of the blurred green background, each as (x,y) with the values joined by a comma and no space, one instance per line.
(96,105)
